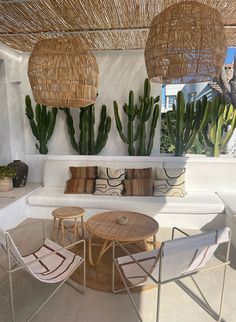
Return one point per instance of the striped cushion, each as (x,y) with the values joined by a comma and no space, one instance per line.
(83,172)
(110,173)
(54,268)
(80,186)
(109,187)
(139,187)
(145,173)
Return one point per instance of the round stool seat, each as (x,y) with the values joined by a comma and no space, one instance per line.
(68,212)
(64,213)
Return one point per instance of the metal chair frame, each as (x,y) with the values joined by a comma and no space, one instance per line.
(159,281)
(12,270)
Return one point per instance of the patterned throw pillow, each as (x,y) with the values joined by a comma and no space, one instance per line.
(138,187)
(145,173)
(170,182)
(171,173)
(80,186)
(109,173)
(83,172)
(109,187)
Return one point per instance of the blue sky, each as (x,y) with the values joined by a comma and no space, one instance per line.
(230,55)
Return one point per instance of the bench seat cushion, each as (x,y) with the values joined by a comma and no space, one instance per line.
(229,199)
(192,203)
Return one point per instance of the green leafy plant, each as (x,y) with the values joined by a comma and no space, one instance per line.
(220,126)
(138,121)
(43,125)
(87,143)
(189,119)
(6,171)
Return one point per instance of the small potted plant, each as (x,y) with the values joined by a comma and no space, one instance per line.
(6,175)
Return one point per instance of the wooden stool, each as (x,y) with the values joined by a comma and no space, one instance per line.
(65,213)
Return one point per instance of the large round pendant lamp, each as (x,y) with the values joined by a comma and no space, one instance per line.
(63,72)
(186,44)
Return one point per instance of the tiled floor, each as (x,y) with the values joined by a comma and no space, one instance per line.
(93,306)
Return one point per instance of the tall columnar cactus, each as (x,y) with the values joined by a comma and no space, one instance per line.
(190,119)
(87,143)
(148,108)
(137,120)
(131,110)
(216,131)
(44,124)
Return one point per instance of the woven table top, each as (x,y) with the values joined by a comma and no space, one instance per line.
(68,212)
(139,226)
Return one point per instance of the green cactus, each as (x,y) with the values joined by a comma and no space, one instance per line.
(87,143)
(216,131)
(131,111)
(190,119)
(137,132)
(147,108)
(43,126)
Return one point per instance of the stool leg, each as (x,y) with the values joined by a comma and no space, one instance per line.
(75,229)
(62,232)
(58,229)
(82,226)
(54,228)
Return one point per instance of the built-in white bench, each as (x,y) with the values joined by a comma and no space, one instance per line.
(209,203)
(201,207)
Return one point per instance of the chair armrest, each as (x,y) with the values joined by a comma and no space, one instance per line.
(179,230)
(133,260)
(45,256)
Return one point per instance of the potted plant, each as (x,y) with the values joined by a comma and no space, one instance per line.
(6,175)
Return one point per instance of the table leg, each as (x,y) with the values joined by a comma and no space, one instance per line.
(103,249)
(154,241)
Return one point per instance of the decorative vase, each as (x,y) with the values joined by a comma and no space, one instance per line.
(19,180)
(6,184)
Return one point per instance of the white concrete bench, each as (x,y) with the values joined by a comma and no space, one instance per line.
(200,207)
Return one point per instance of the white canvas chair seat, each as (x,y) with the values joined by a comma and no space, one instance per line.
(51,263)
(176,258)
(54,268)
(133,272)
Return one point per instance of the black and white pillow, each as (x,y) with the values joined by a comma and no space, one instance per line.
(109,187)
(169,182)
(111,174)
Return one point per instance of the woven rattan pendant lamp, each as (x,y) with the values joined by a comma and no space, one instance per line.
(186,44)
(63,72)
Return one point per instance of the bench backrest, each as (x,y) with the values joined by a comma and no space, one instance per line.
(203,175)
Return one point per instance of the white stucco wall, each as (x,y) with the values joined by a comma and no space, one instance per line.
(12,143)
(119,71)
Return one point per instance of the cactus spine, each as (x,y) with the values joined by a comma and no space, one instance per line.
(220,117)
(190,119)
(87,143)
(43,126)
(141,115)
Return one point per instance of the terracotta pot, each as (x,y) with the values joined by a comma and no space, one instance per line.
(19,180)
(6,184)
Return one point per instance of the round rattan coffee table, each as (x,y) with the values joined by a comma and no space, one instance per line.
(67,213)
(105,226)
